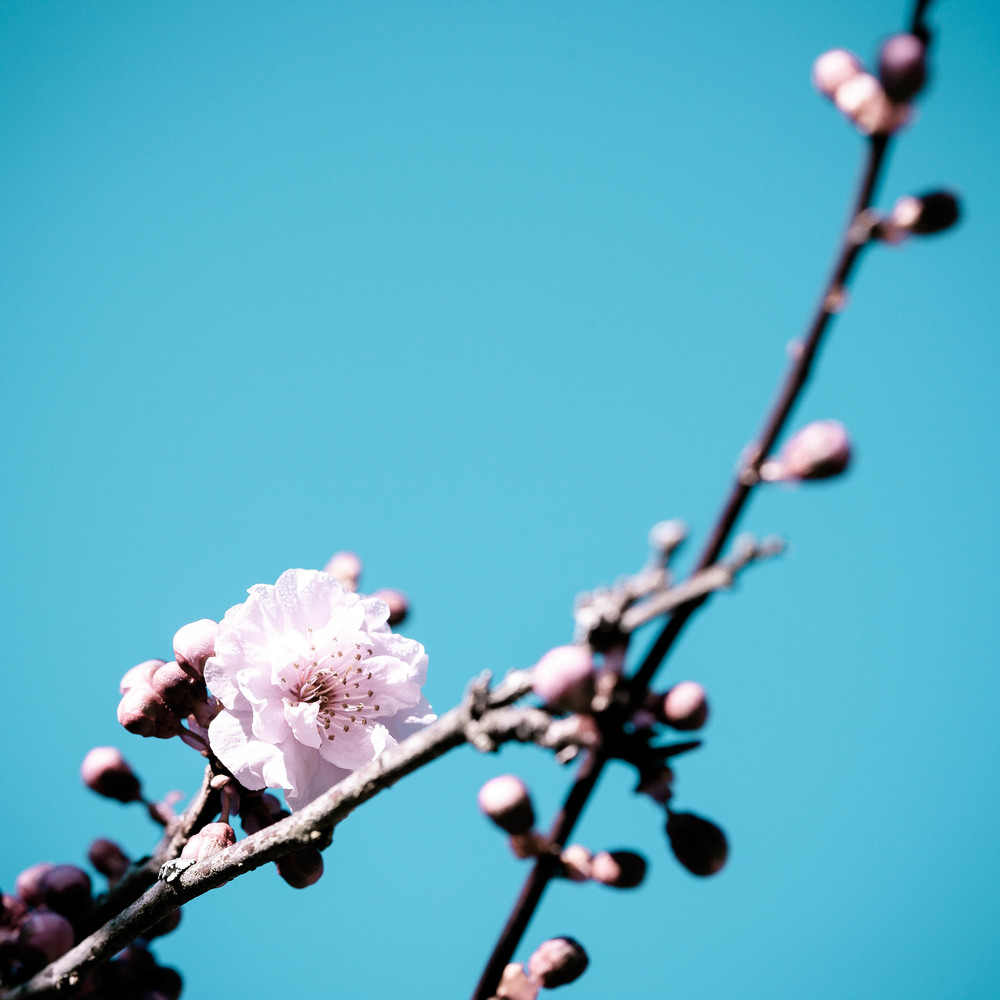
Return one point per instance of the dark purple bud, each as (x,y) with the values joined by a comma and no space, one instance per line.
(169,923)
(685,706)
(12,910)
(66,889)
(301,869)
(46,933)
(346,567)
(109,859)
(179,688)
(619,869)
(143,712)
(564,678)
(28,885)
(926,214)
(658,785)
(399,606)
(557,962)
(194,644)
(105,771)
(506,801)
(699,845)
(902,67)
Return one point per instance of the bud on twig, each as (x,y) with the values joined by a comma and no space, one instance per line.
(47,933)
(685,706)
(699,845)
(506,801)
(108,858)
(564,678)
(143,712)
(618,869)
(557,962)
(399,606)
(105,771)
(28,885)
(66,890)
(902,67)
(576,863)
(925,214)
(515,984)
(820,450)
(346,567)
(301,869)
(834,68)
(212,838)
(194,644)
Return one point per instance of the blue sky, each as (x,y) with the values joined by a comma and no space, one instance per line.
(482,292)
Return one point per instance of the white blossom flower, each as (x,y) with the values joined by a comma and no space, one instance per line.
(313,684)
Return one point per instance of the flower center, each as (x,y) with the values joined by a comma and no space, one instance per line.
(333,674)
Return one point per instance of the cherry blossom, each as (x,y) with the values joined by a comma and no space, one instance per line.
(313,685)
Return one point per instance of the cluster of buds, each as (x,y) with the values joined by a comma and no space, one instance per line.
(347,567)
(877,105)
(300,868)
(820,450)
(555,962)
(159,696)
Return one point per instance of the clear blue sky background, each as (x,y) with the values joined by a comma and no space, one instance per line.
(482,291)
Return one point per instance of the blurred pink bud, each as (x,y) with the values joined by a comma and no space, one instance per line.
(564,678)
(699,845)
(46,932)
(209,840)
(108,858)
(862,99)
(143,712)
(515,984)
(300,869)
(195,643)
(506,801)
(665,536)
(28,885)
(558,961)
(12,911)
(105,771)
(167,925)
(141,675)
(178,688)
(399,606)
(346,567)
(619,869)
(576,862)
(820,450)
(833,68)
(902,67)
(66,889)
(685,706)
(925,214)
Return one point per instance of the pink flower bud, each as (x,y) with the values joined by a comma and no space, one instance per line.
(178,688)
(399,606)
(557,962)
(699,845)
(141,675)
(564,678)
(109,859)
(48,933)
(925,214)
(820,450)
(143,712)
(902,67)
(346,567)
(619,869)
(195,643)
(576,862)
(685,706)
(105,771)
(515,984)
(862,99)
(209,840)
(66,889)
(834,68)
(666,536)
(301,869)
(506,801)
(12,911)
(28,885)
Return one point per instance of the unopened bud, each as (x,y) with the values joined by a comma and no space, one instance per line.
(209,840)
(178,687)
(665,536)
(515,984)
(925,214)
(28,885)
(834,68)
(47,933)
(699,845)
(564,678)
(576,862)
(346,567)
(902,67)
(302,868)
(820,450)
(108,858)
(195,643)
(399,606)
(12,912)
(66,889)
(105,771)
(506,801)
(619,869)
(557,962)
(862,99)
(141,675)
(143,712)
(685,706)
